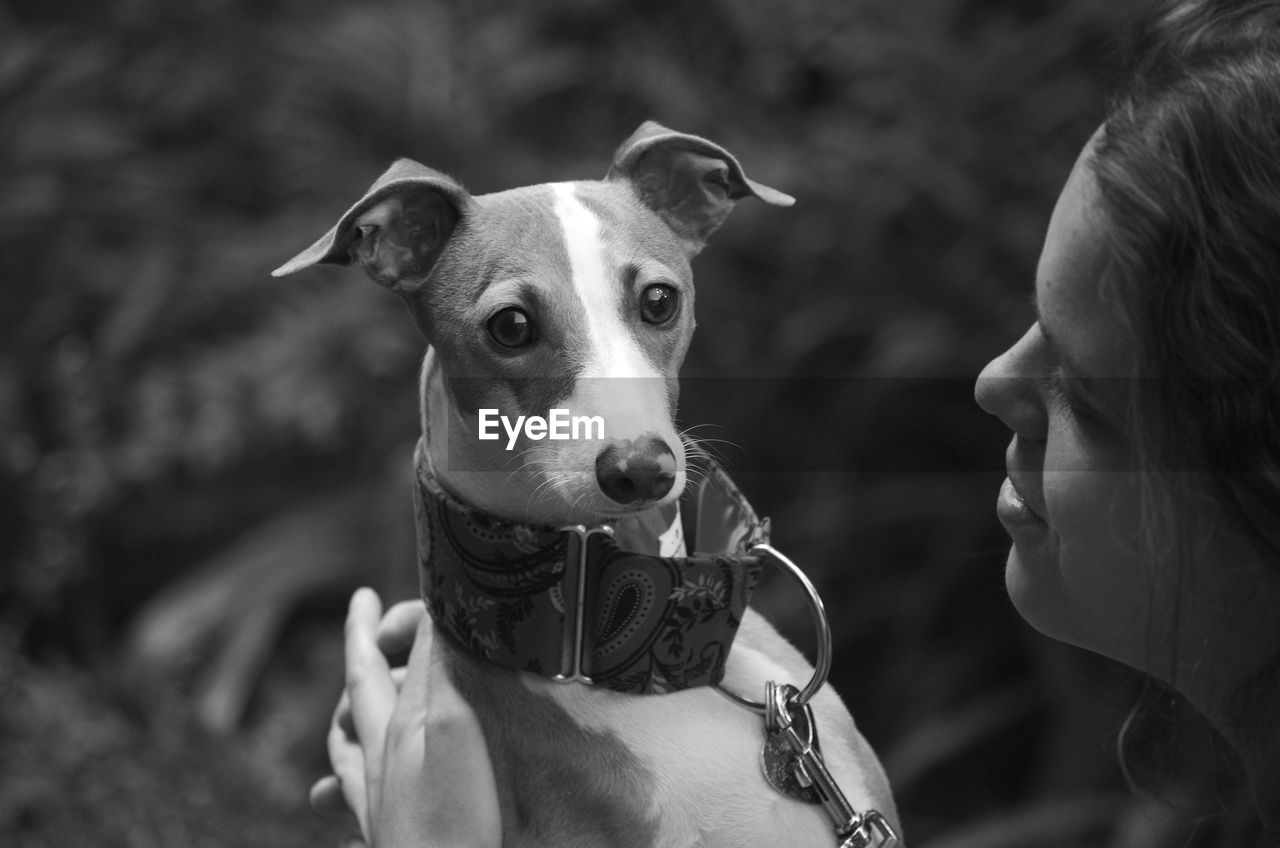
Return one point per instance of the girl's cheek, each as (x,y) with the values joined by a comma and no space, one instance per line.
(1088,493)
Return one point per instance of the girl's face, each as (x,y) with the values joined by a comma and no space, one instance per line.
(1080,569)
(1075,571)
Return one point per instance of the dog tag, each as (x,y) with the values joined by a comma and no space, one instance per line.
(792,723)
(778,758)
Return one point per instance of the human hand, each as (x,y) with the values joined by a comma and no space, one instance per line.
(408,754)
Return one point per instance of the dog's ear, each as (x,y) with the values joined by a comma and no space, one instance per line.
(396,231)
(690,182)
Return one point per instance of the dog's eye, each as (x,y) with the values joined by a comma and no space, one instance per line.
(659,303)
(511,327)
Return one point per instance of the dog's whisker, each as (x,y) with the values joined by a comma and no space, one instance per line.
(688,430)
(706,441)
(529,459)
(543,491)
(693,449)
(577,501)
(697,448)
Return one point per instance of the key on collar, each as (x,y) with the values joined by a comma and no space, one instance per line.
(794,766)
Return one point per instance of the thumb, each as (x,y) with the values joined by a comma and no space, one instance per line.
(452,765)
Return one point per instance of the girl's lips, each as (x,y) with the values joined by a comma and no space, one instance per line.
(1033,542)
(1013,511)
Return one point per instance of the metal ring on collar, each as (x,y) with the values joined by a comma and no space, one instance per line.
(822,666)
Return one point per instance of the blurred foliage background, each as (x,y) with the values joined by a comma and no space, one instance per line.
(199,463)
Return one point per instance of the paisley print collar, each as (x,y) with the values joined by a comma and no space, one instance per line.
(596,605)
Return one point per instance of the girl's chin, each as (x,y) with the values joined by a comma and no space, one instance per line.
(1035,591)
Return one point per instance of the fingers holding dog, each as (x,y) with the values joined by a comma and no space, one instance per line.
(346,792)
(399,627)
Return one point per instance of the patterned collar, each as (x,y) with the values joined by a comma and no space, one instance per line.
(597,605)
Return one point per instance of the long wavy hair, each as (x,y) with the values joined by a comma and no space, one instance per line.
(1188,169)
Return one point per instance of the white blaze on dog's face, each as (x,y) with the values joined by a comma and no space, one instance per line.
(572,296)
(636,298)
(570,299)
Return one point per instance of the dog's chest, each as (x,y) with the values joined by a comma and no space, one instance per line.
(588,767)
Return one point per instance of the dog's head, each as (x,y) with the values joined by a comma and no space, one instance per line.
(559,315)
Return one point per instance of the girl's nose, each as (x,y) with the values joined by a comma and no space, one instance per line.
(1007,388)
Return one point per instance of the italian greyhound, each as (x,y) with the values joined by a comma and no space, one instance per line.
(548,307)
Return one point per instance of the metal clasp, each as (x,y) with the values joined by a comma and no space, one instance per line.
(870,830)
(575,603)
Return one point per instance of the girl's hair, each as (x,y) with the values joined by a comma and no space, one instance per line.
(1188,169)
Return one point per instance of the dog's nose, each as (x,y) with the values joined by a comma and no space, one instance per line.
(629,472)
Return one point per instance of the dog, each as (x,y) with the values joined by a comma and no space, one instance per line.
(578,297)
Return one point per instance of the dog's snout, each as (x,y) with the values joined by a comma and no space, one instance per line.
(629,472)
